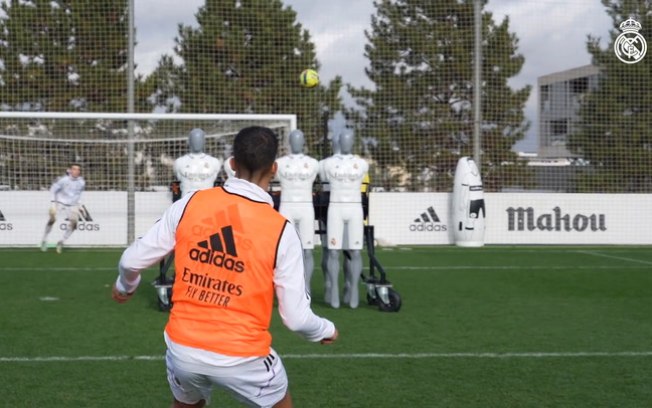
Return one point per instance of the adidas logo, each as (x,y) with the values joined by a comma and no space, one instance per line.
(84,215)
(424,216)
(84,221)
(4,225)
(215,249)
(428,221)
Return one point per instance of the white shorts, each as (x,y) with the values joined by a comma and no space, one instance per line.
(71,212)
(345,218)
(302,215)
(259,382)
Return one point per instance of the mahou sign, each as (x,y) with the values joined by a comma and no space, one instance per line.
(522,219)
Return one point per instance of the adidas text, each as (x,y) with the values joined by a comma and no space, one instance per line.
(209,256)
(429,227)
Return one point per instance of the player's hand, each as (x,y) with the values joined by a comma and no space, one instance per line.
(120,297)
(52,211)
(330,340)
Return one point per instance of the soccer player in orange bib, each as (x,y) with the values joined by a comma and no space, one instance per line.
(233,251)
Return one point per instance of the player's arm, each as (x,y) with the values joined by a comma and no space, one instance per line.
(56,187)
(293,298)
(157,242)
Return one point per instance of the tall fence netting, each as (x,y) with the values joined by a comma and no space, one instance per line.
(565,95)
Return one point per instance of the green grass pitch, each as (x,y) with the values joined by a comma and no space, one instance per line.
(479,327)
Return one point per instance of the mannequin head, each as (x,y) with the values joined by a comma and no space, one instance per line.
(196,141)
(296,141)
(346,141)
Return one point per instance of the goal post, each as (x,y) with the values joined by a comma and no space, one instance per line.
(37,147)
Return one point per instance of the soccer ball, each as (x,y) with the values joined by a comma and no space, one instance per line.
(309,78)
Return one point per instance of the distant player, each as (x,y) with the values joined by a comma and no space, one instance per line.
(66,192)
(196,170)
(345,173)
(297,173)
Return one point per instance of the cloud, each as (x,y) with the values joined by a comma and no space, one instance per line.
(156,24)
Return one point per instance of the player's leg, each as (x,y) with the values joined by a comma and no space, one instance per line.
(179,404)
(335,228)
(261,382)
(52,218)
(286,402)
(189,389)
(73,219)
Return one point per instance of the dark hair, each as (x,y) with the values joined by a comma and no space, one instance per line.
(255,148)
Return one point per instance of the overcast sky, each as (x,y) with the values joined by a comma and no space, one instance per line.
(552,36)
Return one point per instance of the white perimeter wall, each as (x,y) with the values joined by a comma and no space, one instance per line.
(517,218)
(25,213)
(398,218)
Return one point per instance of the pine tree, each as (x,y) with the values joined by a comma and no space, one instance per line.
(421,110)
(245,57)
(615,119)
(63,55)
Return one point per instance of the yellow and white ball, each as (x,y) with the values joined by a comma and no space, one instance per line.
(309,78)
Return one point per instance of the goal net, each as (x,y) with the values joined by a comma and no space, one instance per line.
(36,149)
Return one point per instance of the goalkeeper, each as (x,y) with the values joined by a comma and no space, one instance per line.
(66,192)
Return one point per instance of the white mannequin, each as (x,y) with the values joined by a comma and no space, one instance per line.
(345,173)
(297,173)
(196,170)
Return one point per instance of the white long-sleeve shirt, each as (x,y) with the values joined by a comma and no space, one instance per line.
(289,281)
(68,190)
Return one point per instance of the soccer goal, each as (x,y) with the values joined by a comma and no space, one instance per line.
(127,162)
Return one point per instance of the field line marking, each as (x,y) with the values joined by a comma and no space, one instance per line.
(507,267)
(58,268)
(402,267)
(620,258)
(316,356)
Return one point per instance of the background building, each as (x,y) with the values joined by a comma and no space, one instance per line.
(560,95)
